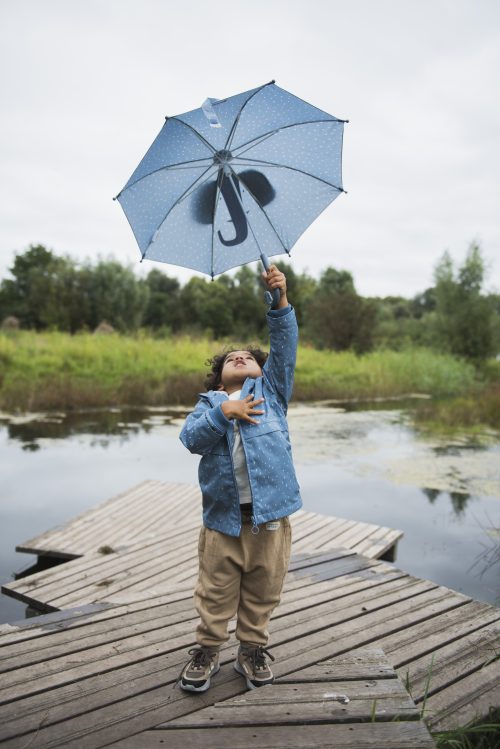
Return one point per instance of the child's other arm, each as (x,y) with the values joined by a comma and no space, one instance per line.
(283,332)
(203,428)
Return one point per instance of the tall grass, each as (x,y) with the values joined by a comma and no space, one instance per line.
(473,411)
(328,374)
(56,370)
(485,734)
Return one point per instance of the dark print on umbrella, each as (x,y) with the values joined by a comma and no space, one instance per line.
(235,180)
(255,182)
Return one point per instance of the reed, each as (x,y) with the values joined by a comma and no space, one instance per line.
(474,412)
(58,371)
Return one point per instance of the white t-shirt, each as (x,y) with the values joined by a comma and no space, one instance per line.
(239,459)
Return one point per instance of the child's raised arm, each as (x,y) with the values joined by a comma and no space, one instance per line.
(283,333)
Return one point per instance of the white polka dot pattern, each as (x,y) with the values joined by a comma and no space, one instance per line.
(271,473)
(266,134)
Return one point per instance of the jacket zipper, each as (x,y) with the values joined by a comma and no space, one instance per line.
(255,527)
(230,451)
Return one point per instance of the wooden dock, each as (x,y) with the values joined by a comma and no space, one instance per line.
(102,669)
(146,540)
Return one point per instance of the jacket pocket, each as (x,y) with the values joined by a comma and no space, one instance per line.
(265,427)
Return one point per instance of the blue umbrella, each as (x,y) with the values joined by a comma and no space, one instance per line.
(236,180)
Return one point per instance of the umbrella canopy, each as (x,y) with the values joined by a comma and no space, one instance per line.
(234,180)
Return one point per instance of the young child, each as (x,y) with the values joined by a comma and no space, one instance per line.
(249,488)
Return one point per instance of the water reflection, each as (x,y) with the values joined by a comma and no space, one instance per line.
(122,422)
(431,494)
(458,448)
(459,500)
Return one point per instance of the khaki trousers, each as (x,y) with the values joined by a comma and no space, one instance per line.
(240,576)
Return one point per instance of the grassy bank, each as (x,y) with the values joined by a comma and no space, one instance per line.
(59,371)
(473,412)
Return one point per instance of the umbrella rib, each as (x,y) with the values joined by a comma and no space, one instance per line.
(235,123)
(198,135)
(264,136)
(179,199)
(184,165)
(258,162)
(164,168)
(263,211)
(220,177)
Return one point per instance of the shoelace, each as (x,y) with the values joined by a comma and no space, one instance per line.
(200,660)
(258,657)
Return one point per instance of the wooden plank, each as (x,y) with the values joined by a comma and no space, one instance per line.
(109,580)
(407,735)
(380,541)
(55,539)
(138,521)
(304,526)
(367,569)
(40,543)
(338,638)
(326,531)
(142,551)
(100,634)
(451,662)
(465,700)
(296,693)
(109,522)
(363,663)
(28,630)
(242,713)
(406,645)
(135,711)
(351,536)
(309,559)
(340,587)
(88,578)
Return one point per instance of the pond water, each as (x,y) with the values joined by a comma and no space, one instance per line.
(359,463)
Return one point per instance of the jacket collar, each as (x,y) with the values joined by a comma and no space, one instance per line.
(217,396)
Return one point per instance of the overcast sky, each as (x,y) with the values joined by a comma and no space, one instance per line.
(86,85)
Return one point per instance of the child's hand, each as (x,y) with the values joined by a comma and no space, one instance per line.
(275,279)
(242,409)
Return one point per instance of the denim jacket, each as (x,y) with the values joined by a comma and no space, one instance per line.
(207,432)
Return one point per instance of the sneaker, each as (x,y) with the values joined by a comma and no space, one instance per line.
(195,676)
(251,663)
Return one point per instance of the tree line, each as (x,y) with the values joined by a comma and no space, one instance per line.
(47,291)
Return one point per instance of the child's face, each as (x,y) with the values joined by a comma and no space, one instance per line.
(238,365)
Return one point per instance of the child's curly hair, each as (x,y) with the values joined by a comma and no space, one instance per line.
(213,379)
